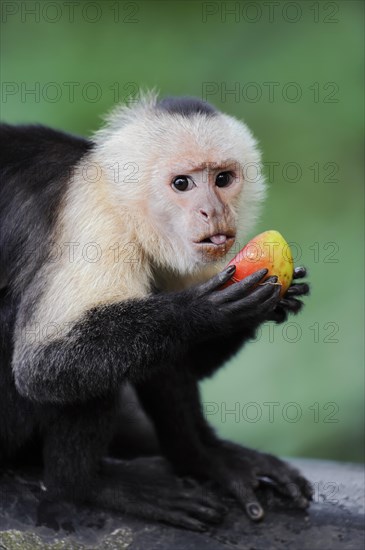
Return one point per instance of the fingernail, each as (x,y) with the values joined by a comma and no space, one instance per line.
(272,279)
(254,510)
(231,269)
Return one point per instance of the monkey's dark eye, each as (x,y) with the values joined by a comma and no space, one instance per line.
(182,183)
(223,179)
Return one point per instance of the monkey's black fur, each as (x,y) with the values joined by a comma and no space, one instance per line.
(66,396)
(35,166)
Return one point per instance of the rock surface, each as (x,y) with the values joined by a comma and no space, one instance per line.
(334,521)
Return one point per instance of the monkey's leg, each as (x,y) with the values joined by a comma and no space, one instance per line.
(191,446)
(75,441)
(134,432)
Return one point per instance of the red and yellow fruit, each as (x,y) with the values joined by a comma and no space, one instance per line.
(268,250)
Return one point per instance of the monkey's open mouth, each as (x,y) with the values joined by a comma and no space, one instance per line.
(217,239)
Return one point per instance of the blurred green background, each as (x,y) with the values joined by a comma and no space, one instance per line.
(294,73)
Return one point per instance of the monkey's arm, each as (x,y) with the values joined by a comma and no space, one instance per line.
(129,340)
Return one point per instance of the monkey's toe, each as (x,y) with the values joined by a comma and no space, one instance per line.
(242,471)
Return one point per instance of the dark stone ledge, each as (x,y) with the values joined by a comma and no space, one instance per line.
(334,521)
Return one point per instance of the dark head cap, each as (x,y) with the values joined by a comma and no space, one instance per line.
(186,106)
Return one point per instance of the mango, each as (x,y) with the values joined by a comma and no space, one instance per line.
(268,250)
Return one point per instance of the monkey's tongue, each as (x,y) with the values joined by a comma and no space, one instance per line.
(218,239)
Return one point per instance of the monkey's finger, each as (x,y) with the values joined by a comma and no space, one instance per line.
(279,315)
(291,483)
(306,487)
(252,307)
(216,281)
(264,308)
(299,272)
(205,514)
(242,288)
(248,501)
(291,304)
(263,292)
(183,520)
(205,498)
(298,289)
(258,296)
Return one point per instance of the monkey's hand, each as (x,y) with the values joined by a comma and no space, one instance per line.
(289,303)
(226,317)
(229,310)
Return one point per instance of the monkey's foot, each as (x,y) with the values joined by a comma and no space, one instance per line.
(189,507)
(145,488)
(241,471)
(155,493)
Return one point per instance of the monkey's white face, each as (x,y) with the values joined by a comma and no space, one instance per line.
(196,210)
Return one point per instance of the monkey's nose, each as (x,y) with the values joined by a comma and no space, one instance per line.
(203,213)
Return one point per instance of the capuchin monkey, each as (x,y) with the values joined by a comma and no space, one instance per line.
(111,267)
